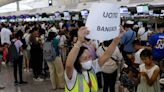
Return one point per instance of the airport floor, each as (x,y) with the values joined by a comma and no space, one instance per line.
(7,79)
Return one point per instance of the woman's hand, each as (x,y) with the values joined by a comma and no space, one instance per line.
(143,74)
(82,33)
(122,31)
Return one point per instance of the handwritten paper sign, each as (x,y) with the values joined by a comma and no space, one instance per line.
(103,21)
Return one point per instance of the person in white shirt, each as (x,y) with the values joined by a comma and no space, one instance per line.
(19,61)
(5,35)
(138,48)
(79,64)
(53,29)
(143,34)
(62,42)
(109,69)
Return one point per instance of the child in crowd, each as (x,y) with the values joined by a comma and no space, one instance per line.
(128,79)
(149,73)
(138,49)
(5,52)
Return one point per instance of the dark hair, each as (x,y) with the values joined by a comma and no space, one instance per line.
(160,25)
(107,43)
(145,26)
(17,35)
(3,25)
(5,44)
(87,39)
(26,28)
(146,53)
(80,24)
(77,64)
(128,25)
(132,69)
(51,35)
(136,42)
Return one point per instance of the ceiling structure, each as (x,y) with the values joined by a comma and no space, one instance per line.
(10,5)
(4,2)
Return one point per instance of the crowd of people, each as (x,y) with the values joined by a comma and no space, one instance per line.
(60,51)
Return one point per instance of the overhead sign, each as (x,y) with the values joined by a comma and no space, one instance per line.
(103,21)
(140,1)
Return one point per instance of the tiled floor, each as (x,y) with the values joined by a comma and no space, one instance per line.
(6,78)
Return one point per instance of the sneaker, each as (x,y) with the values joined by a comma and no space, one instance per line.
(23,82)
(25,70)
(16,83)
(40,79)
(34,79)
(28,70)
(47,78)
(2,87)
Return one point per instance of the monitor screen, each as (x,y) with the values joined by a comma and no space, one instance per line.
(142,9)
(84,13)
(151,12)
(57,14)
(66,14)
(124,10)
(162,11)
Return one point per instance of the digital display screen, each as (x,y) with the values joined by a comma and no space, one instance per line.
(84,13)
(151,12)
(124,10)
(66,14)
(142,9)
(57,14)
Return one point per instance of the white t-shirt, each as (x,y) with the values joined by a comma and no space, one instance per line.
(143,34)
(53,29)
(116,55)
(137,57)
(62,39)
(5,35)
(70,83)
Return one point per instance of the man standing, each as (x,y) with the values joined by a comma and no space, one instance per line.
(18,59)
(143,34)
(157,43)
(5,34)
(126,41)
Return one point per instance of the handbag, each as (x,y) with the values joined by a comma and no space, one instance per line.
(110,66)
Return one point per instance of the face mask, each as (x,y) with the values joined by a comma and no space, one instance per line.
(87,65)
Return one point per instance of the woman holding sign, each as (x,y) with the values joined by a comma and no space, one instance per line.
(80,69)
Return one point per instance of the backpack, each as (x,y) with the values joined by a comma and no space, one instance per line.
(49,53)
(24,46)
(13,53)
(23,40)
